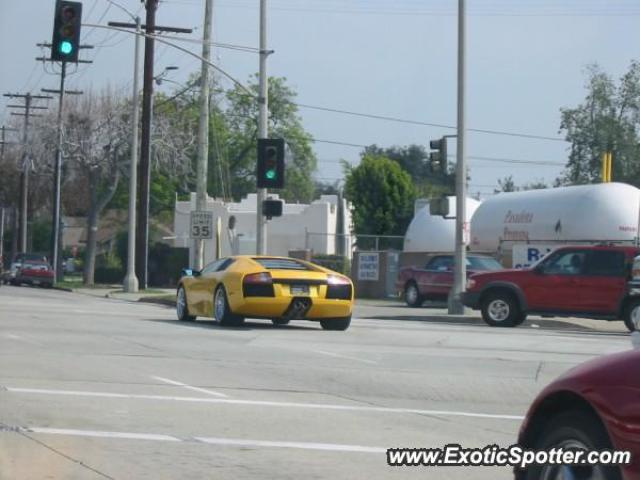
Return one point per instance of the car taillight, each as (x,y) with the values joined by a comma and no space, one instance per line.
(258,285)
(338,287)
(471,283)
(263,278)
(337,280)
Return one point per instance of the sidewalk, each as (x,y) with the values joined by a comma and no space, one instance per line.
(165,296)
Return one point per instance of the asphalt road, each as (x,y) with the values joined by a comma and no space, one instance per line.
(94,388)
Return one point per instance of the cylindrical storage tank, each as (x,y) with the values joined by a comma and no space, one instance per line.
(584,213)
(429,233)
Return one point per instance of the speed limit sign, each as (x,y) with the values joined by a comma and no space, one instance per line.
(201,225)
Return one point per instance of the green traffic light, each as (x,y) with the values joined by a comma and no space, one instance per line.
(271,174)
(65,47)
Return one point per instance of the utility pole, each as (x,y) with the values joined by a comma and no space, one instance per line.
(263,126)
(460,268)
(142,228)
(130,280)
(1,238)
(203,130)
(3,139)
(142,234)
(138,222)
(24,176)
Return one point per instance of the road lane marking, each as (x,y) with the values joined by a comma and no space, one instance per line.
(11,336)
(265,403)
(302,445)
(333,447)
(337,355)
(189,387)
(95,433)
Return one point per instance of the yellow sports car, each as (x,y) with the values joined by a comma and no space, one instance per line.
(277,288)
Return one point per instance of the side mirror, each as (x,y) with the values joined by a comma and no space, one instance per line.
(539,270)
(189,272)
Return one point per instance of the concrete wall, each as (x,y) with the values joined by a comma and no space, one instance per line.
(284,234)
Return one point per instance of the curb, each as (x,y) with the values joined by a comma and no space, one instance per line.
(158,301)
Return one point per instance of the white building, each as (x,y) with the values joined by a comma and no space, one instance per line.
(316,226)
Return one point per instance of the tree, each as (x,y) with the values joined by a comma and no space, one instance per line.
(414,159)
(506,184)
(241,133)
(382,196)
(607,120)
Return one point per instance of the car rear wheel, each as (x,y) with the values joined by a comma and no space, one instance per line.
(221,310)
(182,308)
(412,295)
(576,430)
(336,323)
(501,309)
(631,315)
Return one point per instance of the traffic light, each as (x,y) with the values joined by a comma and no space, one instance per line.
(272,208)
(270,172)
(438,158)
(66,31)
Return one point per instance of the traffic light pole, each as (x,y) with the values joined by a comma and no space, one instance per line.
(203,131)
(460,268)
(263,126)
(55,235)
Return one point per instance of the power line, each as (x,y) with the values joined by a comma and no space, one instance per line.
(428,124)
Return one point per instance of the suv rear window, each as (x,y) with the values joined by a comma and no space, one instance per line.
(281,264)
(606,263)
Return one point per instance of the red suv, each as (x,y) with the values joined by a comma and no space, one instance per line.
(586,281)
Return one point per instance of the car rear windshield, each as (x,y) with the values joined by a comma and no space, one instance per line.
(281,264)
(483,263)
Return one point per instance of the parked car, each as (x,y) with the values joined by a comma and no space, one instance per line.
(9,276)
(277,288)
(435,280)
(33,272)
(578,281)
(592,407)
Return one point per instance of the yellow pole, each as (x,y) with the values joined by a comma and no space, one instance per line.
(604,167)
(609,166)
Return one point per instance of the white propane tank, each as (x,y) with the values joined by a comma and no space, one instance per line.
(433,233)
(600,212)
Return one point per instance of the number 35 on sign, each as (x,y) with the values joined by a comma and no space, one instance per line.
(201,225)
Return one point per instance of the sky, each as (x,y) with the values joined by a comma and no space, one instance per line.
(526,60)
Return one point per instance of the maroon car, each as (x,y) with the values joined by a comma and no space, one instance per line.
(595,406)
(35,273)
(434,281)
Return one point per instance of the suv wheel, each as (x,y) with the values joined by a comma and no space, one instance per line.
(631,315)
(501,309)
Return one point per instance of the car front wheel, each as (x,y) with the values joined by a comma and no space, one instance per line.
(576,430)
(412,295)
(182,308)
(501,309)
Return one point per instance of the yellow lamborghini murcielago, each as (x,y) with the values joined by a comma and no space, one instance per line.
(277,288)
